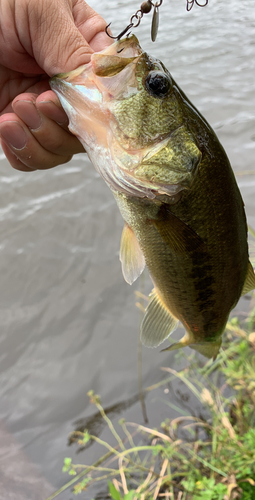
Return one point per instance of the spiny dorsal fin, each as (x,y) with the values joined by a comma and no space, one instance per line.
(175,233)
(158,323)
(131,256)
(249,283)
(207,349)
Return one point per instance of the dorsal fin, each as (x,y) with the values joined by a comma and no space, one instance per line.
(249,283)
(131,256)
(158,323)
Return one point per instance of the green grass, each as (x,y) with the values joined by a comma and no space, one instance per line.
(188,457)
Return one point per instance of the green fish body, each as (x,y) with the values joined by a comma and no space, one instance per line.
(183,212)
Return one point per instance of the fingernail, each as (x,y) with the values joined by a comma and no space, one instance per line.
(54,112)
(13,134)
(28,113)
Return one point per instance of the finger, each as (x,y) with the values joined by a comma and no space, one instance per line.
(47,103)
(21,142)
(53,110)
(100,41)
(55,42)
(49,134)
(91,25)
(13,159)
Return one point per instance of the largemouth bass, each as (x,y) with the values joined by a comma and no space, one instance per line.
(183,212)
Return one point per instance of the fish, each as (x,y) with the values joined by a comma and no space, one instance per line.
(174,186)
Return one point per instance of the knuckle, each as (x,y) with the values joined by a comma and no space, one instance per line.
(67,159)
(59,147)
(97,23)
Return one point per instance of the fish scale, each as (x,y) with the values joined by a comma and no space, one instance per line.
(183,212)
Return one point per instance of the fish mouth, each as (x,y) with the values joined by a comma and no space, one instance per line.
(108,63)
(112,60)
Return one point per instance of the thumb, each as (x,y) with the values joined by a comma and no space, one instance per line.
(57,44)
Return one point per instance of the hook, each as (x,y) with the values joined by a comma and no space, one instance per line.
(121,34)
(190,4)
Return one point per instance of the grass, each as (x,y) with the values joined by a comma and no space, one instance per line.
(188,457)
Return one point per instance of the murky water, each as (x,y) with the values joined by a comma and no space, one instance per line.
(68,319)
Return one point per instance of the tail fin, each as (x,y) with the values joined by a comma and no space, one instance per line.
(207,349)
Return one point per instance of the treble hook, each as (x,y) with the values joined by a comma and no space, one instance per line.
(135,19)
(190,4)
(121,34)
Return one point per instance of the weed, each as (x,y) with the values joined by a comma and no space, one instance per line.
(188,457)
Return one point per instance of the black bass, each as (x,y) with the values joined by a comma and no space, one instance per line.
(183,212)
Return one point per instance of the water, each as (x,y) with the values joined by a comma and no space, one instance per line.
(68,319)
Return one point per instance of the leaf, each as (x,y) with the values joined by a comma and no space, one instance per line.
(72,472)
(67,464)
(220,491)
(86,437)
(115,494)
(129,495)
(189,485)
(79,487)
(157,449)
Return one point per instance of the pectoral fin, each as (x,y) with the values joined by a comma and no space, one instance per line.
(175,233)
(131,256)
(207,349)
(158,323)
(249,283)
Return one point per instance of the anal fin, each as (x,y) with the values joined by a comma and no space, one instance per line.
(131,256)
(249,283)
(158,323)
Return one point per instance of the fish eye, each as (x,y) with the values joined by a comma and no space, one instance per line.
(158,83)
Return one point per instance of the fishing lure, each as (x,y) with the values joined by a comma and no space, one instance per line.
(145,8)
(135,20)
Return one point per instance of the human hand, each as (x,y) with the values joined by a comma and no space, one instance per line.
(38,39)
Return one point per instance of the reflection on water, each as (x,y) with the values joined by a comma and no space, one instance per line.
(95,423)
(68,319)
